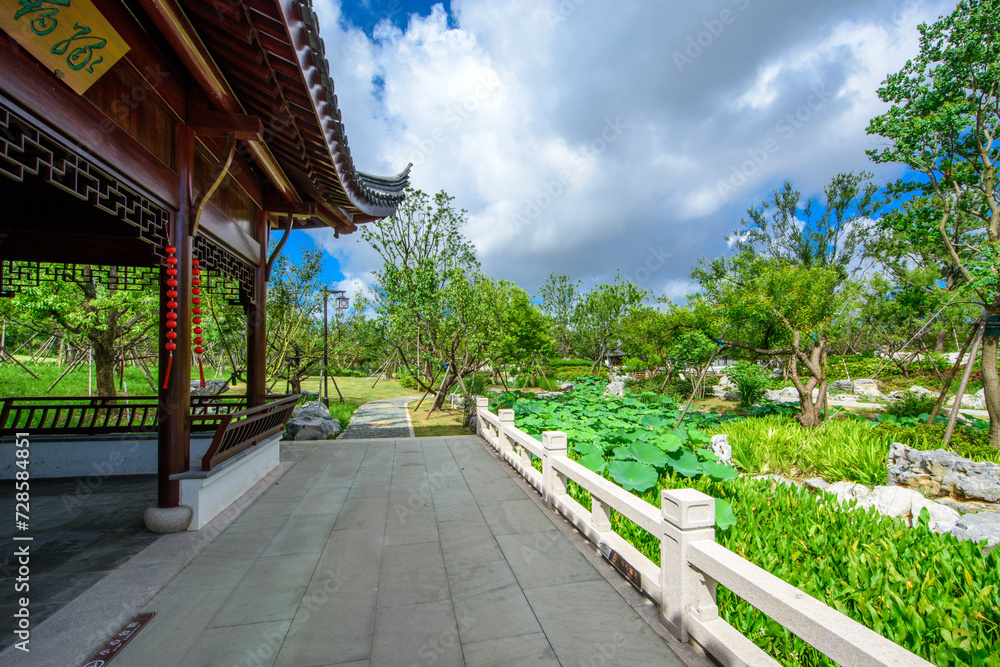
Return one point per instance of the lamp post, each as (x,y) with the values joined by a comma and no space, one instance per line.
(342,304)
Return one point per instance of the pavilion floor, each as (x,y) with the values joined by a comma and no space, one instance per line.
(394,551)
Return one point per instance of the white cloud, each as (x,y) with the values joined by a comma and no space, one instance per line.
(576,144)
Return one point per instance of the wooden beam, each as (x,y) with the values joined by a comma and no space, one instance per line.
(207,123)
(305,209)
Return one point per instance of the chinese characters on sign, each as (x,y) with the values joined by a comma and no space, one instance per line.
(69,37)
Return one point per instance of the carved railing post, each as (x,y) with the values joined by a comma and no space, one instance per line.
(554,483)
(688,516)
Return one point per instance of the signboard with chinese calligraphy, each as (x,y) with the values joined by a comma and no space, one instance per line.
(70,37)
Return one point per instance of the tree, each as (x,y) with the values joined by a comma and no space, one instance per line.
(776,309)
(431,301)
(827,234)
(109,319)
(559,297)
(943,124)
(600,316)
(518,328)
(294,333)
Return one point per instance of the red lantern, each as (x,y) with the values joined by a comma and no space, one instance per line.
(171,316)
(196,292)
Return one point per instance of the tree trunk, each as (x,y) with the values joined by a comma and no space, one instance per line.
(991,386)
(103,342)
(939,343)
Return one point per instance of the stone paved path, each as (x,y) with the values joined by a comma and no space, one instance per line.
(406,552)
(380,419)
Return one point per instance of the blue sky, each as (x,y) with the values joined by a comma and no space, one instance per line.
(587,137)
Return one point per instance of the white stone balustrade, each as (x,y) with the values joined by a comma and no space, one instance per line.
(683,582)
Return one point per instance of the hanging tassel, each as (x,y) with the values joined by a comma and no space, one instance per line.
(166,376)
(201,371)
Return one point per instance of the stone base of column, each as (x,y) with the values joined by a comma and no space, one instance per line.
(165,520)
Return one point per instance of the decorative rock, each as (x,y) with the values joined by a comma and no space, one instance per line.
(474,422)
(979,527)
(548,394)
(788,394)
(847,491)
(566,386)
(897,502)
(166,520)
(921,391)
(940,472)
(731,396)
(772,395)
(616,387)
(721,448)
(312,428)
(969,402)
(211,388)
(724,383)
(314,409)
(817,483)
(867,387)
(942,518)
(843,385)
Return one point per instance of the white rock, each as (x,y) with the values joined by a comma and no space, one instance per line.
(616,386)
(817,483)
(721,448)
(788,394)
(867,387)
(847,491)
(921,391)
(891,500)
(943,519)
(843,385)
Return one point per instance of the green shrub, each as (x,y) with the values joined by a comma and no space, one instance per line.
(572,363)
(751,380)
(841,450)
(912,405)
(935,595)
(407,380)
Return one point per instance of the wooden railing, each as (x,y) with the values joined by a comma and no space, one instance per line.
(94,415)
(683,582)
(238,431)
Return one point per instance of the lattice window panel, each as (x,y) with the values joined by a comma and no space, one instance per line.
(15,276)
(227,275)
(25,150)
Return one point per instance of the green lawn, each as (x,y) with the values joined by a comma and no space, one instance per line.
(15,381)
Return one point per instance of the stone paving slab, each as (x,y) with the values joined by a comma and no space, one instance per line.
(380,419)
(400,579)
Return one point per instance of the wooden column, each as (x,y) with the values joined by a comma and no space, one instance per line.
(175,400)
(257,322)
